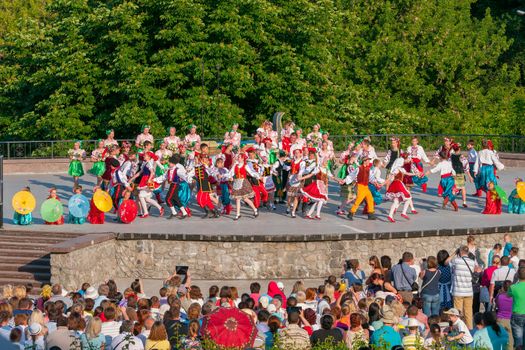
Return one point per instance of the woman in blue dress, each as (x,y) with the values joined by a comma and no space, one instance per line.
(445,280)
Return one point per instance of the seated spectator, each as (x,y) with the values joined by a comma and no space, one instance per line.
(386,336)
(35,340)
(158,338)
(327,333)
(192,341)
(413,340)
(93,338)
(357,336)
(460,331)
(293,336)
(125,340)
(60,337)
(110,327)
(435,338)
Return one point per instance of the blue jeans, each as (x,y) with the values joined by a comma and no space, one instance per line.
(431,304)
(517,323)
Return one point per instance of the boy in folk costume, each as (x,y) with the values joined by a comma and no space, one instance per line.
(255,172)
(147,185)
(121,179)
(348,177)
(444,167)
(397,192)
(206,198)
(363,192)
(293,188)
(76,155)
(418,156)
(281,179)
(461,167)
(109,161)
(484,168)
(192,140)
(375,183)
(472,157)
(173,176)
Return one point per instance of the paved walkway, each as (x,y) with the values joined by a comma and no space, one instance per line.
(430,216)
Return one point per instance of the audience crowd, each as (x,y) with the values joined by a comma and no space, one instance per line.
(451,300)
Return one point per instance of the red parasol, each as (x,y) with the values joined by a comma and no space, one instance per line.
(229,328)
(128,211)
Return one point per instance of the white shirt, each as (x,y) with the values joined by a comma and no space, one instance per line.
(375,175)
(444,167)
(461,276)
(418,152)
(110,329)
(462,328)
(486,156)
(502,274)
(126,341)
(351,174)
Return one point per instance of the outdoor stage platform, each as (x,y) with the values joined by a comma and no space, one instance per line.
(270,246)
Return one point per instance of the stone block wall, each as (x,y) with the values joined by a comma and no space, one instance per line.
(155,258)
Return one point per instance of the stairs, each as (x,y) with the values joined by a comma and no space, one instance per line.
(24,256)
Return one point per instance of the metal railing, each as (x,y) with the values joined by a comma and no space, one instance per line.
(58,149)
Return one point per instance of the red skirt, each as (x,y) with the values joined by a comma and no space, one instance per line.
(58,222)
(95,216)
(397,189)
(314,191)
(492,204)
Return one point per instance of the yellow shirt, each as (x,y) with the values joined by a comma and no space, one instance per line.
(157,345)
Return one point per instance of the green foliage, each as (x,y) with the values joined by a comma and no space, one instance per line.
(356,66)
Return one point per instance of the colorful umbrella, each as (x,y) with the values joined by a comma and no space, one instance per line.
(51,210)
(520,188)
(23,202)
(128,211)
(229,328)
(501,194)
(78,206)
(102,201)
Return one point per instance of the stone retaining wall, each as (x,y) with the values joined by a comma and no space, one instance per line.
(156,258)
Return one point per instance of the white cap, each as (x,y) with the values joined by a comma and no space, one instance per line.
(412,322)
(453,311)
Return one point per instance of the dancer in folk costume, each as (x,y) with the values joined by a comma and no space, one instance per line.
(268,176)
(233,136)
(286,134)
(268,132)
(300,141)
(255,172)
(241,187)
(315,136)
(121,178)
(397,192)
(472,156)
(97,157)
(418,156)
(348,177)
(175,175)
(221,175)
(281,179)
(326,156)
(206,198)
(324,138)
(23,219)
(367,150)
(293,188)
(446,149)
(76,155)
(317,190)
(192,140)
(484,168)
(445,169)
(143,137)
(95,215)
(110,139)
(71,219)
(53,195)
(392,154)
(163,155)
(172,141)
(147,185)
(124,151)
(311,163)
(492,201)
(109,164)
(228,155)
(375,183)
(461,167)
(363,192)
(516,204)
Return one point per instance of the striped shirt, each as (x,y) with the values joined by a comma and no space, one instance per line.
(461,276)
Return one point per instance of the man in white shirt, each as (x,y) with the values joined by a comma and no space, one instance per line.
(500,275)
(126,340)
(462,272)
(111,328)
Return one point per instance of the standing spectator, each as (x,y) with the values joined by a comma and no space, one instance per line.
(58,294)
(460,330)
(158,338)
(293,336)
(93,338)
(508,244)
(445,280)
(353,274)
(430,287)
(5,327)
(103,291)
(496,250)
(15,337)
(462,279)
(514,259)
(126,340)
(386,336)
(486,277)
(255,292)
(192,341)
(502,274)
(174,326)
(404,277)
(504,310)
(517,321)
(334,335)
(474,252)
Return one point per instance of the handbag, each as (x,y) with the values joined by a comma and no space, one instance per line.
(413,285)
(475,280)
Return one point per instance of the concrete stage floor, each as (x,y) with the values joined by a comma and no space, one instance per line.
(431,216)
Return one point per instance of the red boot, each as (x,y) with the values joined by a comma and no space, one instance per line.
(445,202)
(455,205)
(228,209)
(424,188)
